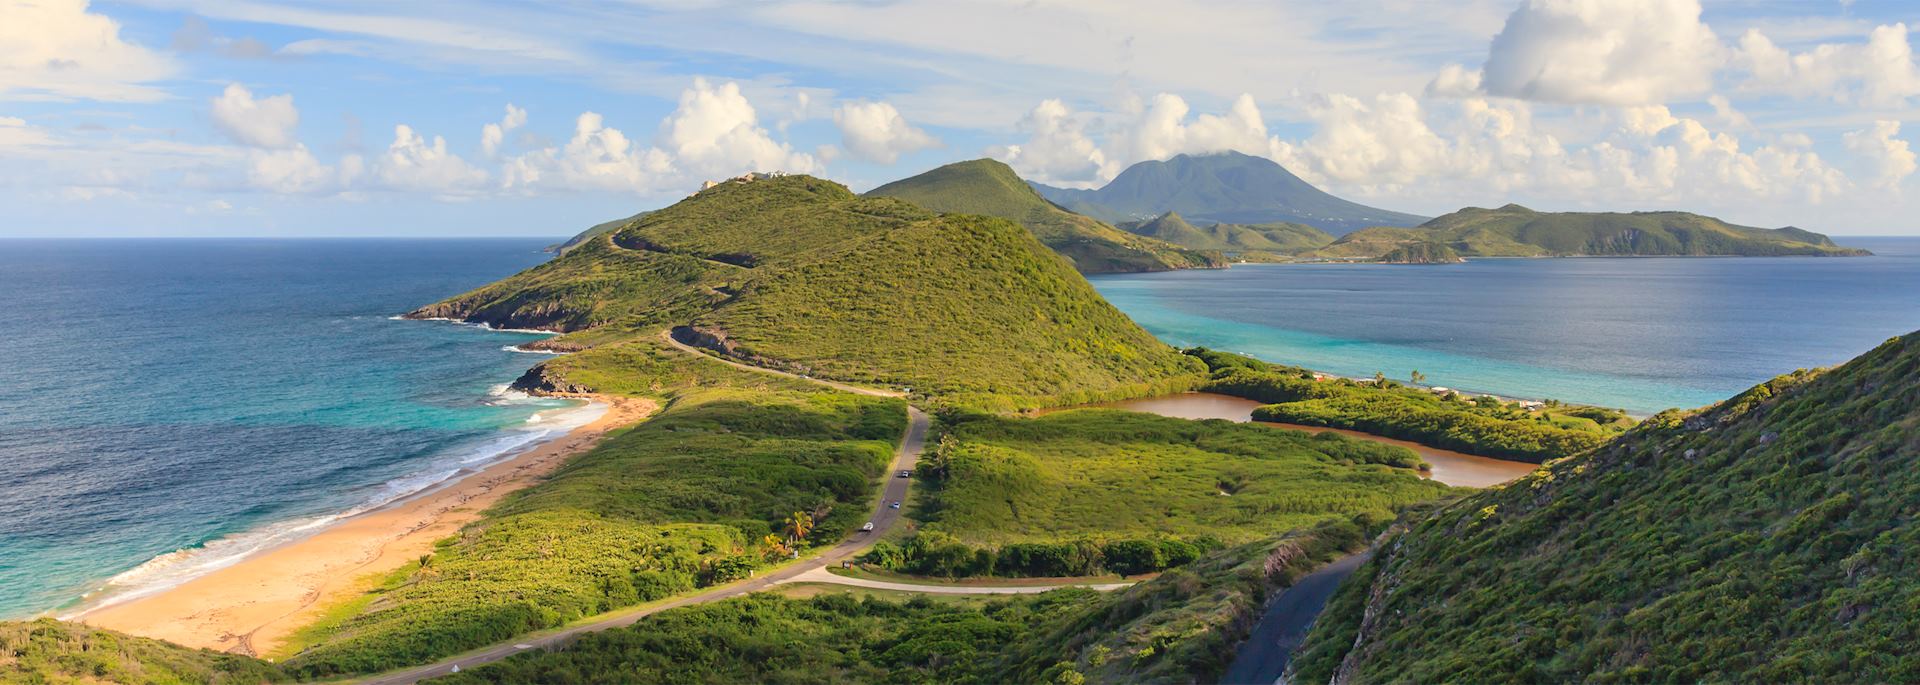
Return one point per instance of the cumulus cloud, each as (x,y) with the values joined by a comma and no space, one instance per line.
(1617,52)
(412,163)
(291,170)
(1879,72)
(1163,130)
(263,122)
(875,131)
(1057,149)
(492,135)
(56,49)
(1890,160)
(1476,150)
(715,132)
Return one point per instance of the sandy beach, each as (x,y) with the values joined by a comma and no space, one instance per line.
(252,606)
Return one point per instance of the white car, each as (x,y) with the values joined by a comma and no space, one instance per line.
(867,528)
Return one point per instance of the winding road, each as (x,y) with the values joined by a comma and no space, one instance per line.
(810,570)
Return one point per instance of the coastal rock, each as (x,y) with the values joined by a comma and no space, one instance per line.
(539,381)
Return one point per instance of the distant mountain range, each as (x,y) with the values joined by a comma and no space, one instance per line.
(1202,211)
(990,188)
(1244,242)
(1225,187)
(1516,231)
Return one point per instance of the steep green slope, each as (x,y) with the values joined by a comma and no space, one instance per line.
(595,231)
(49,651)
(1252,242)
(1769,538)
(1515,231)
(800,273)
(1225,187)
(988,187)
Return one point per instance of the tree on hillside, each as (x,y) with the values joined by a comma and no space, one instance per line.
(1417,377)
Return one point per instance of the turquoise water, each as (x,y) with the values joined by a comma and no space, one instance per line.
(1640,334)
(172,405)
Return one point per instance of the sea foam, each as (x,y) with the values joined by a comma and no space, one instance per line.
(182,565)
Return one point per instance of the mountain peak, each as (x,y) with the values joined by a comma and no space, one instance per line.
(1228,187)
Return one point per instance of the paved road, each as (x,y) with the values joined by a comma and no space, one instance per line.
(1264,657)
(667,335)
(884,518)
(821,575)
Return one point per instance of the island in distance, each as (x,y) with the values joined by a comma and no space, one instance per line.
(1170,217)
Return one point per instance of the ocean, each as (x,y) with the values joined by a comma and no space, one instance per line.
(1641,334)
(171,405)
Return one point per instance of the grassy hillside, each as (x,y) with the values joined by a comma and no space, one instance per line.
(1252,242)
(1039,492)
(990,188)
(1770,538)
(1178,628)
(1224,187)
(58,653)
(1515,231)
(799,272)
(595,231)
(1421,253)
(966,307)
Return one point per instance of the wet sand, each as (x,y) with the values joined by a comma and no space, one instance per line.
(1452,468)
(253,606)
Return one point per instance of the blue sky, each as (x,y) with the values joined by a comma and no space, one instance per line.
(268,117)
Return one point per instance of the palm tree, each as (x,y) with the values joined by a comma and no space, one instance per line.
(798,525)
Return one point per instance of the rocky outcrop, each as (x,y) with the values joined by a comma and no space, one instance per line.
(716,340)
(540,381)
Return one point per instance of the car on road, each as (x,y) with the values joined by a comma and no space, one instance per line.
(895,505)
(867,528)
(905,474)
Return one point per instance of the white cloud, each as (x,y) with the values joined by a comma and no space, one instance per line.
(291,170)
(1163,130)
(876,132)
(492,135)
(715,133)
(55,49)
(1479,151)
(1891,160)
(1057,149)
(1879,72)
(264,122)
(597,157)
(411,163)
(1617,52)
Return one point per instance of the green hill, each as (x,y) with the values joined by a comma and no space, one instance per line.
(1421,253)
(1225,187)
(594,232)
(800,273)
(1769,538)
(1515,231)
(988,187)
(1251,242)
(49,651)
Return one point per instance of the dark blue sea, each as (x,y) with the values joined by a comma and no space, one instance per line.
(169,405)
(1642,334)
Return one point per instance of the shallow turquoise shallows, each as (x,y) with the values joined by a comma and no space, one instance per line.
(1643,334)
(171,405)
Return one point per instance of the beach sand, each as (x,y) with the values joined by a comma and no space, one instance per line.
(253,606)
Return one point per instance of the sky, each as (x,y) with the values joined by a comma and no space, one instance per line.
(355,118)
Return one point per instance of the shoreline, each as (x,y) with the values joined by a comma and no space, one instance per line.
(254,605)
